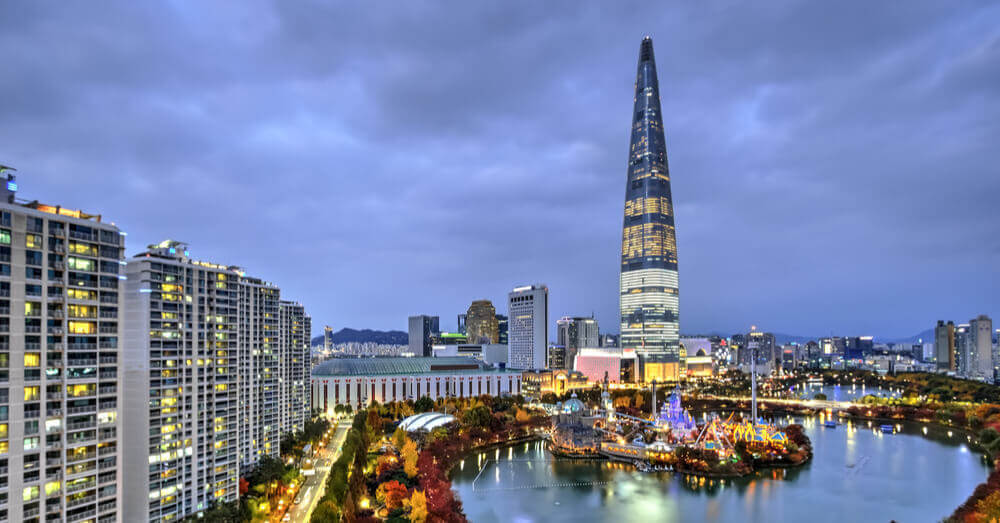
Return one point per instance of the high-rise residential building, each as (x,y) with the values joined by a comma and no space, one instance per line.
(981,345)
(528,332)
(481,322)
(215,368)
(764,346)
(421,329)
(944,345)
(295,331)
(574,334)
(327,337)
(501,329)
(60,403)
(649,288)
(461,324)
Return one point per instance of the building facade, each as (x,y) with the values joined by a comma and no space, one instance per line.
(574,334)
(359,381)
(981,345)
(421,329)
(481,322)
(528,334)
(649,301)
(295,331)
(216,372)
(60,397)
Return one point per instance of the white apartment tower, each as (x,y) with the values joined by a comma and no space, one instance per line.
(213,380)
(60,387)
(528,327)
(295,329)
(182,352)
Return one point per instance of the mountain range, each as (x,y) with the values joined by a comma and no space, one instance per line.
(348,335)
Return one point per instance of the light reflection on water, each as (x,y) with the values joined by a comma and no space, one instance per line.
(855,475)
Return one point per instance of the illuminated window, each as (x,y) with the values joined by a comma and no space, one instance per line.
(33,241)
(82,327)
(52,487)
(32,308)
(82,311)
(80,294)
(5,236)
(30,493)
(81,264)
(32,359)
(31,393)
(4,447)
(82,248)
(30,444)
(3,430)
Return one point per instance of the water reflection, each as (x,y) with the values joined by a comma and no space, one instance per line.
(917,473)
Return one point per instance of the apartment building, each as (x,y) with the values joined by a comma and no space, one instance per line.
(60,300)
(295,329)
(216,374)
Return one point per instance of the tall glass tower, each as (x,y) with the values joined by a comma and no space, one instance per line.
(649,296)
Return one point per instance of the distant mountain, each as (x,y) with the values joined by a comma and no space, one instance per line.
(347,335)
(926,336)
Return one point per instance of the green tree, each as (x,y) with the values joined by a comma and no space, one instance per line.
(399,438)
(423,404)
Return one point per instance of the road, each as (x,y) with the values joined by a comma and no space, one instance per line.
(314,486)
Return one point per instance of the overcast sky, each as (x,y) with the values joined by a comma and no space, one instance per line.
(834,165)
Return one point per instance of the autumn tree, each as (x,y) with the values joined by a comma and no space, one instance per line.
(391,493)
(418,504)
(409,454)
(399,438)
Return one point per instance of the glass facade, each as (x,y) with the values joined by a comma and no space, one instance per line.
(649,291)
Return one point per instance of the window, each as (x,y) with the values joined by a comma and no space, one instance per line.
(30,493)
(80,264)
(81,327)
(31,393)
(31,444)
(33,241)
(4,237)
(32,308)
(32,359)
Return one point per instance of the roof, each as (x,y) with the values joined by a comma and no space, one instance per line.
(425,421)
(400,365)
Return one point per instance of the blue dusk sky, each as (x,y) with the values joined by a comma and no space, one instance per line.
(834,164)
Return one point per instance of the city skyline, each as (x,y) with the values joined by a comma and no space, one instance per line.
(780,229)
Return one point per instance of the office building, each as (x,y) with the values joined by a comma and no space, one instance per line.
(981,345)
(493,354)
(608,340)
(421,329)
(501,329)
(857,347)
(359,381)
(649,302)
(60,406)
(461,324)
(295,331)
(481,322)
(572,334)
(944,346)
(528,335)
(214,370)
(965,355)
(555,357)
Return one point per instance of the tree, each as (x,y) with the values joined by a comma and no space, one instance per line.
(819,396)
(391,493)
(326,512)
(410,456)
(423,404)
(990,506)
(418,502)
(522,416)
(374,423)
(477,417)
(399,438)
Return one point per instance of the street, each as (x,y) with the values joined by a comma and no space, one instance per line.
(314,486)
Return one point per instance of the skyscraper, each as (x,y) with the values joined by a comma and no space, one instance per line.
(528,333)
(649,287)
(60,363)
(573,334)
(944,345)
(421,328)
(981,334)
(481,322)
(216,370)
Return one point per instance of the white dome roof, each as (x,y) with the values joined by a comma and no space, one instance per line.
(425,421)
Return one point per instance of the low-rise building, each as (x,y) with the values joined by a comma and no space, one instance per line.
(560,381)
(359,381)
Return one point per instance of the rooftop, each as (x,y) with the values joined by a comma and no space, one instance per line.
(399,365)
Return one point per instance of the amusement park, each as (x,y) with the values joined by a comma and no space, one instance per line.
(671,439)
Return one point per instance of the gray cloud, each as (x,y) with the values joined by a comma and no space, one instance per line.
(832,164)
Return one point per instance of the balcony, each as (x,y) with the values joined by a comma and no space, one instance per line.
(53,413)
(80,486)
(85,236)
(77,456)
(55,330)
(89,409)
(81,425)
(31,512)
